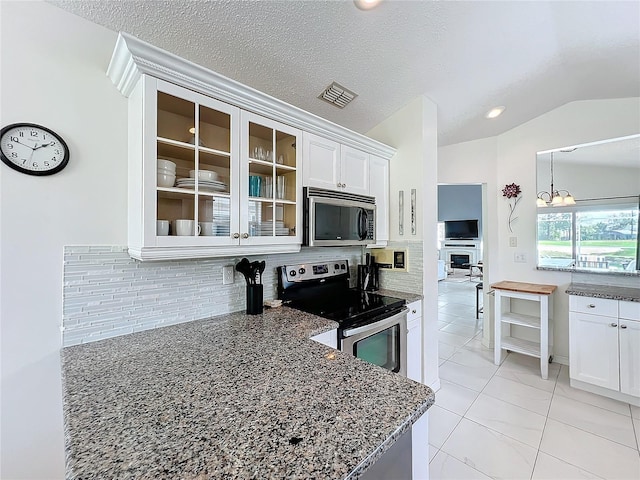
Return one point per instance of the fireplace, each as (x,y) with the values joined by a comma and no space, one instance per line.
(457,253)
(460,260)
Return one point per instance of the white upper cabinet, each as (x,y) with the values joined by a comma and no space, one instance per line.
(197,160)
(354,170)
(321,162)
(222,163)
(330,165)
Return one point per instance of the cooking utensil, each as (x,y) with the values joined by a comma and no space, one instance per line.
(261,268)
(243,267)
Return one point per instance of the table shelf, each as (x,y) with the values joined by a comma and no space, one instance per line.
(521,319)
(505,319)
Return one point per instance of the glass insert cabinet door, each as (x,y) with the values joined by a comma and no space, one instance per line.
(270,181)
(197,145)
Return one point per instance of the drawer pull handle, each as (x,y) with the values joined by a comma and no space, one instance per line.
(614,324)
(245,235)
(623,326)
(591,305)
(413,311)
(236,235)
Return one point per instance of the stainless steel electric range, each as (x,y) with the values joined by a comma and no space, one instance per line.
(371,326)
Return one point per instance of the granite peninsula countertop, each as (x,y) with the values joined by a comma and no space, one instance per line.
(233,397)
(627,294)
(409,297)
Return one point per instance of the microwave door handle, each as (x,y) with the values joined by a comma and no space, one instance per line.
(362,224)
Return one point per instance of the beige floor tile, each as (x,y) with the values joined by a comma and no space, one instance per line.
(455,398)
(516,393)
(446,467)
(441,424)
(590,452)
(473,377)
(596,420)
(452,339)
(490,452)
(511,420)
(551,468)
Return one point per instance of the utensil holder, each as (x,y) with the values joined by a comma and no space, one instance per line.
(254,299)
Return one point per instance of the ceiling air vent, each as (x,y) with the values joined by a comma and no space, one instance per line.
(337,95)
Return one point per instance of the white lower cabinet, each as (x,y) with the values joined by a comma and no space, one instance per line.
(593,350)
(604,347)
(414,341)
(629,341)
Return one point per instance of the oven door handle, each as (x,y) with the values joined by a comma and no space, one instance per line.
(379,325)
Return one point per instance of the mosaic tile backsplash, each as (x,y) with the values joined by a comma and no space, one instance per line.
(106,293)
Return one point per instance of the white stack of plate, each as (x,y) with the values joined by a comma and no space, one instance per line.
(266,228)
(205,185)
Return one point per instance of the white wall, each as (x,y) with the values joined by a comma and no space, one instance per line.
(53,74)
(413,132)
(403,131)
(511,158)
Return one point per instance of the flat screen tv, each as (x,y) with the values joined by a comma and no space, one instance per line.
(461,229)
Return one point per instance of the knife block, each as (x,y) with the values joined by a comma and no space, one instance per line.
(254,299)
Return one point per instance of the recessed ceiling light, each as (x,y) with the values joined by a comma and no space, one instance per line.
(494,112)
(366,4)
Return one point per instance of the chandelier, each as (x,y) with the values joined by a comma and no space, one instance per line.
(555,198)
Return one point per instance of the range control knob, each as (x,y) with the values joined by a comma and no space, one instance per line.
(301,271)
(343,266)
(337,266)
(292,273)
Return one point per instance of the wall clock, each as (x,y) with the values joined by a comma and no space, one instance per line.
(33,149)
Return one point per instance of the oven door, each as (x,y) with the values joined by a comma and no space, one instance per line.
(383,342)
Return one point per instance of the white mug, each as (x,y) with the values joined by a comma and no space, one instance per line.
(185,228)
(162,227)
(208,229)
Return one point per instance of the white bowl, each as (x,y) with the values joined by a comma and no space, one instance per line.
(166,171)
(209,175)
(165,180)
(166,164)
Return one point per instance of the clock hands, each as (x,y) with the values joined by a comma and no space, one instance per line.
(32,148)
(43,145)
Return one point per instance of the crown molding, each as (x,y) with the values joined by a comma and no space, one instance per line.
(133,58)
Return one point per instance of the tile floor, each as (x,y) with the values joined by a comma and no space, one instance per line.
(507,422)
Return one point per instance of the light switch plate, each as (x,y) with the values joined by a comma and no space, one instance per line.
(227,275)
(513,241)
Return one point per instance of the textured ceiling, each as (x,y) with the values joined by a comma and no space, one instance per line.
(467,56)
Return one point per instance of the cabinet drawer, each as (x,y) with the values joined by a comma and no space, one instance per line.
(415,310)
(594,306)
(629,310)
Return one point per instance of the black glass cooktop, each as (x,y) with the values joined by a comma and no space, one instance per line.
(349,307)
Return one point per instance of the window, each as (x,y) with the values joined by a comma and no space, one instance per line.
(602,237)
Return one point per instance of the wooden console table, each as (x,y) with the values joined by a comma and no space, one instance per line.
(505,291)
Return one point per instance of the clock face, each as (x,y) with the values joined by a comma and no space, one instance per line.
(33,149)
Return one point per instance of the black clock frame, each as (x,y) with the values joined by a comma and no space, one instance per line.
(39,173)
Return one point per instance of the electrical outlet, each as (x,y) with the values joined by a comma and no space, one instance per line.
(520,257)
(227,275)
(513,241)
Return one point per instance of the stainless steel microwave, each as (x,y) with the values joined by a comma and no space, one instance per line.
(337,218)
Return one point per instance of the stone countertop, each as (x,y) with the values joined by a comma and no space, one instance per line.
(628,294)
(409,297)
(232,397)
